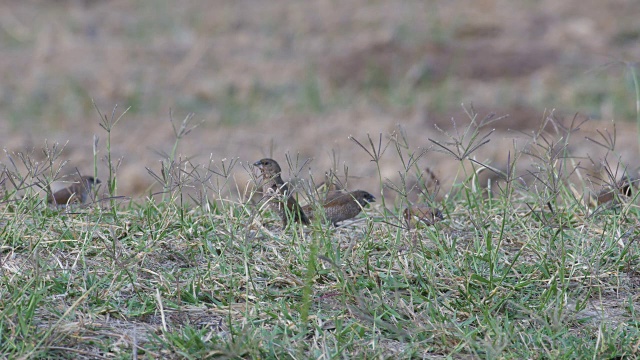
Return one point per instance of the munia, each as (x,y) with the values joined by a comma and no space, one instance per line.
(76,192)
(340,205)
(281,199)
(626,187)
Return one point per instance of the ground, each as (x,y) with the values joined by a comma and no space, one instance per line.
(299,78)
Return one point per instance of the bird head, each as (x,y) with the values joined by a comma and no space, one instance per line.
(91,181)
(364,197)
(268,167)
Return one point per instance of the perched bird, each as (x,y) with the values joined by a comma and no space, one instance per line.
(339,206)
(428,215)
(77,192)
(627,187)
(273,186)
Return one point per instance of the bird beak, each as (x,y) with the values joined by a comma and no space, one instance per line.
(260,168)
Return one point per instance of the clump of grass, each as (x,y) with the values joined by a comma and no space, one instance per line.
(108,124)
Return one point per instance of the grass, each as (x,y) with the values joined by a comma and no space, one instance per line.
(528,272)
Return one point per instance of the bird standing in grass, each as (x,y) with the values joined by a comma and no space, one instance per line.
(77,192)
(282,200)
(626,187)
(339,205)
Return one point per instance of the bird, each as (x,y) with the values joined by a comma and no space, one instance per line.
(76,192)
(274,187)
(426,214)
(627,187)
(340,205)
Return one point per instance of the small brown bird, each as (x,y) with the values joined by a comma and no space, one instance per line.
(627,187)
(77,192)
(424,213)
(273,186)
(339,206)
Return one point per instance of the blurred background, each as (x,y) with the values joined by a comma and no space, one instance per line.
(268,78)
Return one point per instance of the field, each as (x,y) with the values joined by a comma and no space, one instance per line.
(509,117)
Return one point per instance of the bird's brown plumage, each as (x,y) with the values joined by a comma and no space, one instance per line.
(626,187)
(77,192)
(339,205)
(282,199)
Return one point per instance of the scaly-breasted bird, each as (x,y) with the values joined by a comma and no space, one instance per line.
(282,200)
(76,192)
(339,205)
(627,186)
